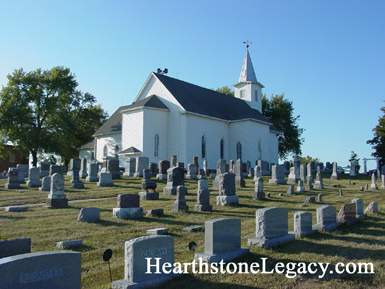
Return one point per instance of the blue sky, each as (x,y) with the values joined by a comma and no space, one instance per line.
(326,56)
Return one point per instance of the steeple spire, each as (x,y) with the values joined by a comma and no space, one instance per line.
(247,72)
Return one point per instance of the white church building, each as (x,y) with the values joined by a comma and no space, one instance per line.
(172,117)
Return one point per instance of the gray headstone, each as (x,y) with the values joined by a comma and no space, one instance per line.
(271,228)
(175,177)
(359,207)
(92,173)
(141,164)
(347,214)
(46,184)
(277,175)
(135,262)
(12,182)
(14,247)
(180,202)
(50,269)
(326,218)
(34,178)
(203,197)
(334,175)
(303,224)
(105,180)
(89,215)
(56,197)
(128,201)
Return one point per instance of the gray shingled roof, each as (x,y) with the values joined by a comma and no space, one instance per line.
(208,102)
(114,123)
(87,146)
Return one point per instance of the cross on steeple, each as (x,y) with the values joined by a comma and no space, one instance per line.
(247,42)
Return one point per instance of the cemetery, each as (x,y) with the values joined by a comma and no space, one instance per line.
(67,226)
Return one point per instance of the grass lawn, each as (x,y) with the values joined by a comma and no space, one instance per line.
(362,242)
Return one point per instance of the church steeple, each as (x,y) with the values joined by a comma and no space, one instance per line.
(247,72)
(248,88)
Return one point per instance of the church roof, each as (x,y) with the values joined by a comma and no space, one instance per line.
(208,102)
(247,71)
(114,123)
(88,146)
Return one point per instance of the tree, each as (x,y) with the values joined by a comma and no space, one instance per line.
(36,110)
(378,141)
(279,111)
(225,90)
(308,159)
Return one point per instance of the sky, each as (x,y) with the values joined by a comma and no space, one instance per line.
(327,57)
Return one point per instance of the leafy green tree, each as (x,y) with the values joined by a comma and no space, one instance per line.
(34,110)
(378,141)
(280,113)
(225,90)
(308,159)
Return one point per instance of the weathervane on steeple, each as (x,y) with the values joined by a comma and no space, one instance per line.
(247,42)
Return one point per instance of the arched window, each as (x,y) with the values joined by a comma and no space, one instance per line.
(222,150)
(259,150)
(239,150)
(105,151)
(203,147)
(156,145)
(116,151)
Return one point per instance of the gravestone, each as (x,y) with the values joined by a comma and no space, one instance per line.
(23,170)
(163,167)
(55,169)
(34,178)
(89,215)
(92,173)
(309,183)
(205,169)
(286,166)
(83,168)
(227,194)
(196,163)
(203,197)
(302,224)
(56,197)
(340,192)
(191,172)
(258,193)
(69,244)
(174,161)
(14,247)
(158,249)
(130,167)
(347,214)
(128,207)
(309,169)
(175,178)
(74,165)
(326,219)
(372,208)
(141,164)
(155,213)
(264,165)
(366,187)
(382,182)
(231,167)
(359,208)
(76,182)
(302,173)
(319,197)
(300,187)
(293,176)
(12,181)
(222,241)
(318,184)
(373,185)
(290,190)
(105,180)
(221,169)
(309,200)
(45,184)
(180,202)
(153,167)
(257,174)
(157,231)
(334,175)
(201,175)
(277,175)
(44,168)
(271,228)
(239,181)
(50,269)
(353,168)
(112,166)
(148,184)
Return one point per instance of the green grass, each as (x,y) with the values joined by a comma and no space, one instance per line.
(362,242)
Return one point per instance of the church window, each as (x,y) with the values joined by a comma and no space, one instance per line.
(92,155)
(156,145)
(203,147)
(116,151)
(105,151)
(256,95)
(222,149)
(241,94)
(239,150)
